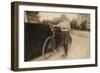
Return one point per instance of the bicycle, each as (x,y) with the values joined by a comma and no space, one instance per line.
(50,44)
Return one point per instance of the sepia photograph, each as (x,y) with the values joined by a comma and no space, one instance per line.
(52,36)
(56,36)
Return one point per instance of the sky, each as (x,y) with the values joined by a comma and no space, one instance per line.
(51,16)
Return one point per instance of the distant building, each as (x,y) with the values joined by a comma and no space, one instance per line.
(31,17)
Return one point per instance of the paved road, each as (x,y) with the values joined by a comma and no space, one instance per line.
(79,49)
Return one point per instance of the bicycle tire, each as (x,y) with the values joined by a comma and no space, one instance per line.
(70,42)
(47,43)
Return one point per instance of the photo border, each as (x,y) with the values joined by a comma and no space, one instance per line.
(15,34)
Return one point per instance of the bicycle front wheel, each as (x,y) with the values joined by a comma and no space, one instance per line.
(47,47)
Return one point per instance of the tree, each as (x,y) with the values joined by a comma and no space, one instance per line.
(73,24)
(83,25)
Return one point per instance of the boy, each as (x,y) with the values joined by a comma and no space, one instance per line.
(65,36)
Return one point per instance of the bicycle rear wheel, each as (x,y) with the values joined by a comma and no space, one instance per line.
(70,42)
